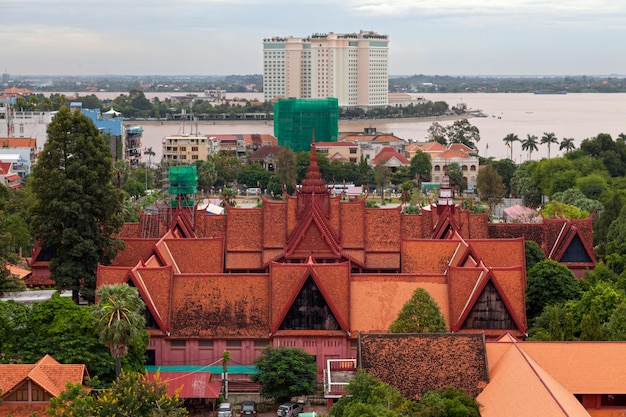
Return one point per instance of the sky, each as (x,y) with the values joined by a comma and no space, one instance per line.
(224,37)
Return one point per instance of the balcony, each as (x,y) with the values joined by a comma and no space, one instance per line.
(337,374)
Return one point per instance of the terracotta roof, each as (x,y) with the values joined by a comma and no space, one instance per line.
(452,154)
(520,386)
(20,272)
(388,153)
(460,147)
(332,144)
(432,146)
(417,363)
(18,143)
(5,168)
(47,373)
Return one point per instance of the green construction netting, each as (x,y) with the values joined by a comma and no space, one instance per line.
(296,121)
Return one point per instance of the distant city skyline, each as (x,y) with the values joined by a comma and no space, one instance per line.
(218,37)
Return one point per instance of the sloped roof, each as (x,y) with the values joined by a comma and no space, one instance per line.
(388,153)
(47,373)
(460,147)
(18,143)
(452,154)
(417,363)
(521,387)
(432,147)
(266,151)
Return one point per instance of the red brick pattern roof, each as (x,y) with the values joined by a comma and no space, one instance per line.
(417,363)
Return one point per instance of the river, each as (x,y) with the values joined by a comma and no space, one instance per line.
(577,116)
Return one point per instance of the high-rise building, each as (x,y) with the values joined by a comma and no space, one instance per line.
(354,68)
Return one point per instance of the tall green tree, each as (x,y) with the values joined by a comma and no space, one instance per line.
(77,209)
(286,373)
(530,144)
(421,167)
(420,314)
(286,168)
(549,138)
(119,319)
(462,131)
(490,185)
(509,139)
(381,178)
(548,283)
(567,144)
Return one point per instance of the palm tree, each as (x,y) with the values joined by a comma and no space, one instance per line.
(150,154)
(530,144)
(509,139)
(119,319)
(567,144)
(549,138)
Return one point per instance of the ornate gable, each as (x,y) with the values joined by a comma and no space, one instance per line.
(313,235)
(490,300)
(310,296)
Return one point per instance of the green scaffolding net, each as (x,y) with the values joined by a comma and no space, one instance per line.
(183,183)
(296,121)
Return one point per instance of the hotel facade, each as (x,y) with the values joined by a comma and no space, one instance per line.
(353,67)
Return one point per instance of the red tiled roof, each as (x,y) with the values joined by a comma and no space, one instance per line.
(189,384)
(388,153)
(18,143)
(47,373)
(417,363)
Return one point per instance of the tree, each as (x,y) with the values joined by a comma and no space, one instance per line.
(530,144)
(381,178)
(567,144)
(548,283)
(370,397)
(616,327)
(549,139)
(207,174)
(420,314)
(132,394)
(421,167)
(119,319)
(285,373)
(490,186)
(534,253)
(286,167)
(462,131)
(437,133)
(456,177)
(450,402)
(77,209)
(509,139)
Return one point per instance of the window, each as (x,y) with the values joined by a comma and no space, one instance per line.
(352,150)
(178,343)
(261,343)
(194,149)
(473,168)
(194,156)
(183,149)
(233,343)
(437,168)
(205,344)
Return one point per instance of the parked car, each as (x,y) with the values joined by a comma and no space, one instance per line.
(248,408)
(225,410)
(289,410)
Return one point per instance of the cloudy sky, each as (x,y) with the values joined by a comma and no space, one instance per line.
(221,37)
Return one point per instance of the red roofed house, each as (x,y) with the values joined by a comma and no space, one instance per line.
(27,389)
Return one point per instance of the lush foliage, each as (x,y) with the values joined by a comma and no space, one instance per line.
(371,397)
(420,314)
(77,206)
(63,329)
(547,283)
(132,394)
(286,373)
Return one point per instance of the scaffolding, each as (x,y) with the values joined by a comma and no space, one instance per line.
(296,121)
(183,185)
